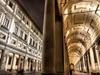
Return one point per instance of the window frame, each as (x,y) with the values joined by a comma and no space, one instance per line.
(6,22)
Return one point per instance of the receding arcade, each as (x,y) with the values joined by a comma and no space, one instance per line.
(71,35)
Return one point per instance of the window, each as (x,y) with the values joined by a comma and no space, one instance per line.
(75,7)
(23,18)
(39,46)
(34,30)
(37,32)
(33,43)
(91,23)
(13,41)
(36,45)
(32,27)
(27,22)
(2,36)
(25,38)
(6,23)
(19,13)
(10,4)
(24,47)
(21,34)
(17,61)
(30,50)
(16,30)
(30,41)
(9,62)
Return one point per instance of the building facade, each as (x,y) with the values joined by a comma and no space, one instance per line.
(20,39)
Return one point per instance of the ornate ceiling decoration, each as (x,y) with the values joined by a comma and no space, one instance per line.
(81,20)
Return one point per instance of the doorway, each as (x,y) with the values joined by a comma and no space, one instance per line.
(20,68)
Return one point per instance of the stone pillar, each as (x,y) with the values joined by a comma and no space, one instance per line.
(19,62)
(84,67)
(88,63)
(25,63)
(37,65)
(49,39)
(29,64)
(13,63)
(66,60)
(59,46)
(92,61)
(98,63)
(3,60)
(34,65)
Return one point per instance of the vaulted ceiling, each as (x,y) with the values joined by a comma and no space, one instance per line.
(81,20)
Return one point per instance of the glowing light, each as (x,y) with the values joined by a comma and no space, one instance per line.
(66,11)
(67,33)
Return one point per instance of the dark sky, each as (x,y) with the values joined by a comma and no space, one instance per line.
(36,10)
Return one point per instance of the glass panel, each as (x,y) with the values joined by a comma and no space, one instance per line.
(16,30)
(6,22)
(21,34)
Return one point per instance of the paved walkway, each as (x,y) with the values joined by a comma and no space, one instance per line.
(74,73)
(79,73)
(23,74)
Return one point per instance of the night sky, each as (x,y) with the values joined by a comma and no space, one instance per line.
(36,10)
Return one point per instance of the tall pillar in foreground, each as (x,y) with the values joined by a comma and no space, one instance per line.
(59,46)
(92,61)
(49,39)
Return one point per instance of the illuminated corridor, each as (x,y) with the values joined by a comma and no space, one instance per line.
(71,36)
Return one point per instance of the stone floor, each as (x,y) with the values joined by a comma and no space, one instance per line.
(74,73)
(23,74)
(79,73)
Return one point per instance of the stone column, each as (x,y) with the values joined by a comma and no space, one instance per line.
(13,63)
(66,60)
(3,60)
(49,39)
(59,46)
(25,63)
(97,56)
(88,63)
(29,64)
(92,61)
(19,62)
(34,65)
(37,66)
(84,67)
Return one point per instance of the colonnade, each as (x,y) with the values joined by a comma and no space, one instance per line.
(89,62)
(13,62)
